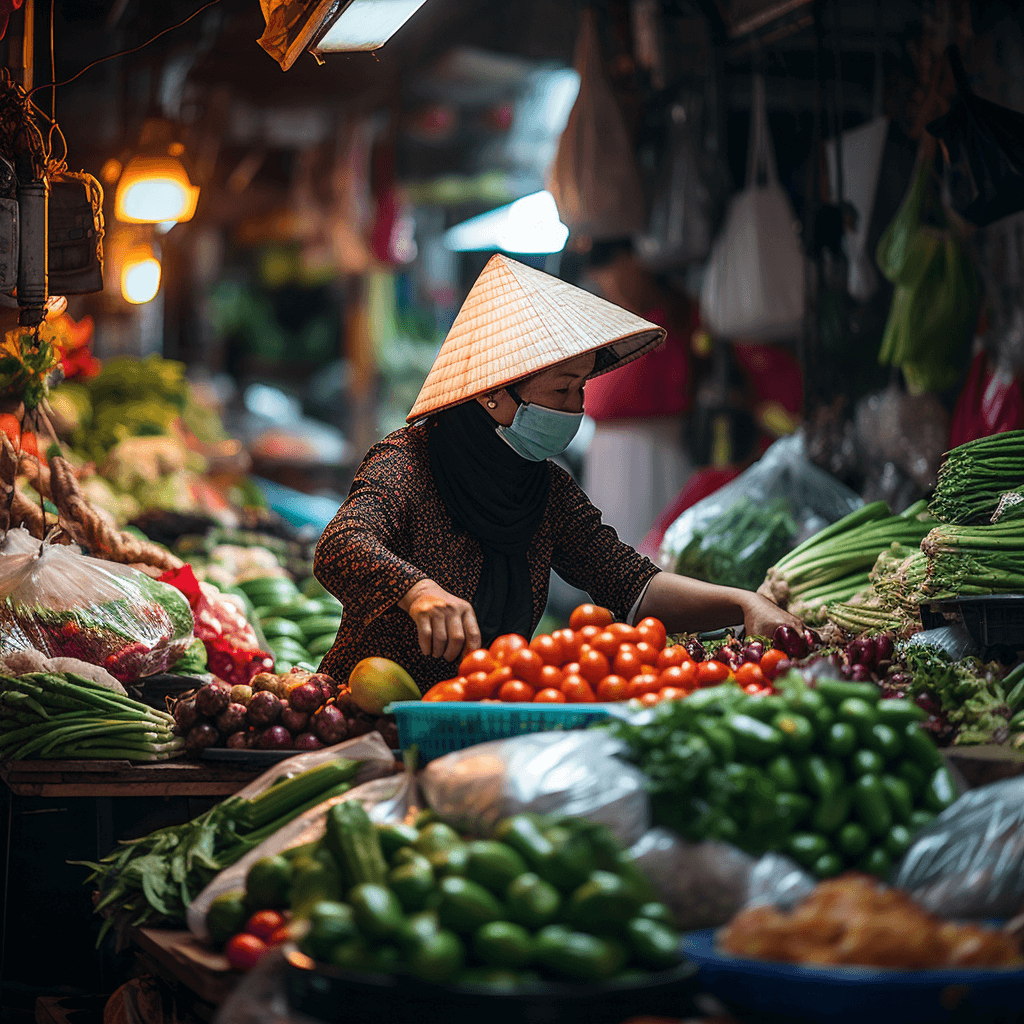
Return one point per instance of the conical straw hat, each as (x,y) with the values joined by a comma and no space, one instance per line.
(516,321)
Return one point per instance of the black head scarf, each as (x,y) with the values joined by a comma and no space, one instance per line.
(497,497)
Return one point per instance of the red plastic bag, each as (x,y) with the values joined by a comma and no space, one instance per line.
(232,650)
(990,403)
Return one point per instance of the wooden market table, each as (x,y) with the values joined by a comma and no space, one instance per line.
(95,798)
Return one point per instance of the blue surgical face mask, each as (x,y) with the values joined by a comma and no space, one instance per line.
(538,433)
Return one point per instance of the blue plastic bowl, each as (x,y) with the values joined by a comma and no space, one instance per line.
(793,994)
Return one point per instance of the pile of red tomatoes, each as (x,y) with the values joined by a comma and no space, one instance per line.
(596,659)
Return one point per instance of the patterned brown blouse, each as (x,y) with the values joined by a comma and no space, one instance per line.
(393,531)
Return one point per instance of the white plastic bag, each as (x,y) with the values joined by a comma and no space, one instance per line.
(735,534)
(594,177)
(754,283)
(378,786)
(573,773)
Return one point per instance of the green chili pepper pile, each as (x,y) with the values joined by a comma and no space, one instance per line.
(830,775)
(543,898)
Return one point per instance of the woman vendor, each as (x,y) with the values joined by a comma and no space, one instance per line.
(453,523)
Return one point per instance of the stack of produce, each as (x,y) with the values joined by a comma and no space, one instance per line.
(297,710)
(973,477)
(299,629)
(152,880)
(737,547)
(828,773)
(855,921)
(226,557)
(834,565)
(542,899)
(596,659)
(67,716)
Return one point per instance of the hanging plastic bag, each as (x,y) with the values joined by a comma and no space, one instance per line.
(935,304)
(680,226)
(65,604)
(734,535)
(754,283)
(594,177)
(983,147)
(969,862)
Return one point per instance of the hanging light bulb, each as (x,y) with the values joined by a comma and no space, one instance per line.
(154,185)
(140,275)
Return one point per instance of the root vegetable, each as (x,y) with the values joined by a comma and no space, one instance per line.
(307,741)
(185,714)
(307,697)
(330,725)
(231,719)
(241,694)
(327,685)
(277,737)
(294,720)
(241,740)
(263,681)
(200,737)
(263,710)
(212,699)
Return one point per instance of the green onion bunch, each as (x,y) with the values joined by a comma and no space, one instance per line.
(66,716)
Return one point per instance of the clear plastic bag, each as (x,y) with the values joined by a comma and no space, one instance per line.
(754,283)
(66,604)
(735,534)
(969,862)
(573,773)
(594,176)
(384,794)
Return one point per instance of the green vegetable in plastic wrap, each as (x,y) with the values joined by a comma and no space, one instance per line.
(935,304)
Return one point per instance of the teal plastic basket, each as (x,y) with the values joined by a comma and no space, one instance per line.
(439,727)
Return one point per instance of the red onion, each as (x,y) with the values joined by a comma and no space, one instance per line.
(883,648)
(328,687)
(330,725)
(200,737)
(185,715)
(231,719)
(240,740)
(695,649)
(212,699)
(307,741)
(264,709)
(277,737)
(861,674)
(307,697)
(790,641)
(294,720)
(861,652)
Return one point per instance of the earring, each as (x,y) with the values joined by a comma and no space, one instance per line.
(491,403)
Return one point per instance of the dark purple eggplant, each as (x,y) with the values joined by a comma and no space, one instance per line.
(277,737)
(330,725)
(185,714)
(200,737)
(791,641)
(307,741)
(241,740)
(231,719)
(294,720)
(264,709)
(212,699)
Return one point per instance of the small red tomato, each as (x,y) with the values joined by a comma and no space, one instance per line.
(577,690)
(650,699)
(674,655)
(772,663)
(479,660)
(282,934)
(652,631)
(644,683)
(648,653)
(505,646)
(571,668)
(748,673)
(627,662)
(245,951)
(570,644)
(593,666)
(550,677)
(672,693)
(711,673)
(478,685)
(526,665)
(589,615)
(755,690)
(625,633)
(264,923)
(549,695)
(515,690)
(548,648)
(613,688)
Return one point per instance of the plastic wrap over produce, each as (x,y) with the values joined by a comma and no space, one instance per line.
(736,534)
(65,604)
(969,862)
(572,773)
(705,884)
(386,796)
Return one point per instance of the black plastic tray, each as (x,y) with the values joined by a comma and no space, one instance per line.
(992,620)
(346,997)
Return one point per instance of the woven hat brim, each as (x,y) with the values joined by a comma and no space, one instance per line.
(518,321)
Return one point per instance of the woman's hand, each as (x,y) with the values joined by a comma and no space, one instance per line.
(446,624)
(762,617)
